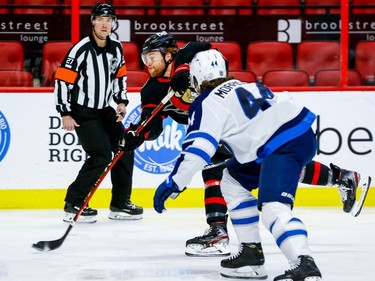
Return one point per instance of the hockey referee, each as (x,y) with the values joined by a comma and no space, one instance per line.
(92,74)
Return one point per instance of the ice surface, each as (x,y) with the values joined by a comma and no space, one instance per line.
(153,248)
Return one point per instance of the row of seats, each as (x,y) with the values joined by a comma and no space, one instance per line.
(263,56)
(272,78)
(192,7)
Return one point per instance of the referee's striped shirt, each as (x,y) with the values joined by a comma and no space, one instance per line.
(91,76)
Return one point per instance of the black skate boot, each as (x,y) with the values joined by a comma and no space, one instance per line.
(347,182)
(353,189)
(127,212)
(248,263)
(87,216)
(214,242)
(304,269)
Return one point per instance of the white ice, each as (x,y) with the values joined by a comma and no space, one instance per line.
(153,248)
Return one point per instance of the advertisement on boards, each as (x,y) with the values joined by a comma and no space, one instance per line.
(36,153)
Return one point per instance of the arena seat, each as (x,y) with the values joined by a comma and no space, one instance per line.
(131,55)
(36,6)
(286,78)
(12,55)
(365,61)
(231,11)
(244,75)
(322,10)
(122,7)
(4,10)
(269,55)
(180,43)
(184,11)
(313,56)
(331,77)
(363,10)
(53,54)
(291,7)
(232,52)
(15,78)
(136,78)
(85,6)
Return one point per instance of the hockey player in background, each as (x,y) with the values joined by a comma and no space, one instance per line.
(168,67)
(271,140)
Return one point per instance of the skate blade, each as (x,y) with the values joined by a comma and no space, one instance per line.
(82,219)
(362,190)
(119,216)
(245,272)
(216,250)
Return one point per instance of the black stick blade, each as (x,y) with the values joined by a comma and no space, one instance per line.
(45,246)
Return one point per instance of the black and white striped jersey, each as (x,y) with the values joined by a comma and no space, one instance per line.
(91,76)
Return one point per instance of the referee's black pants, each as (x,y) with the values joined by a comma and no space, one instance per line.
(99,135)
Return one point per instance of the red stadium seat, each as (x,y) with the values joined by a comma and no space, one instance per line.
(122,7)
(232,52)
(363,10)
(313,56)
(15,78)
(231,11)
(244,75)
(136,78)
(184,11)
(293,9)
(53,54)
(365,61)
(331,77)
(322,10)
(36,6)
(131,55)
(85,6)
(269,55)
(12,55)
(180,44)
(286,78)
(4,10)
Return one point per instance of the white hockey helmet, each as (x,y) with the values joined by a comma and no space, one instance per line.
(207,66)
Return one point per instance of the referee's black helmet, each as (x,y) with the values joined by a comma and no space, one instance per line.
(103,10)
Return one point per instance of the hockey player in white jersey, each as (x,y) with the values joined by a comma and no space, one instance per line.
(271,140)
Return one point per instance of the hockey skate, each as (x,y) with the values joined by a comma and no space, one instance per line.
(88,215)
(248,263)
(128,212)
(304,269)
(353,189)
(214,242)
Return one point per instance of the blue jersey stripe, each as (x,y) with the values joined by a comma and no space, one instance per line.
(289,234)
(245,220)
(200,153)
(286,133)
(194,135)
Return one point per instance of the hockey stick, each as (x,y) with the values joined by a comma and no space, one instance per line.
(54,244)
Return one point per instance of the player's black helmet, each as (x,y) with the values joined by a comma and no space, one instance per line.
(103,10)
(161,41)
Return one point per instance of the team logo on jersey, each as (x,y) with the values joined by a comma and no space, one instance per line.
(113,64)
(158,156)
(4,136)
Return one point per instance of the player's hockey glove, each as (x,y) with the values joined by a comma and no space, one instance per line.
(131,141)
(180,80)
(167,189)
